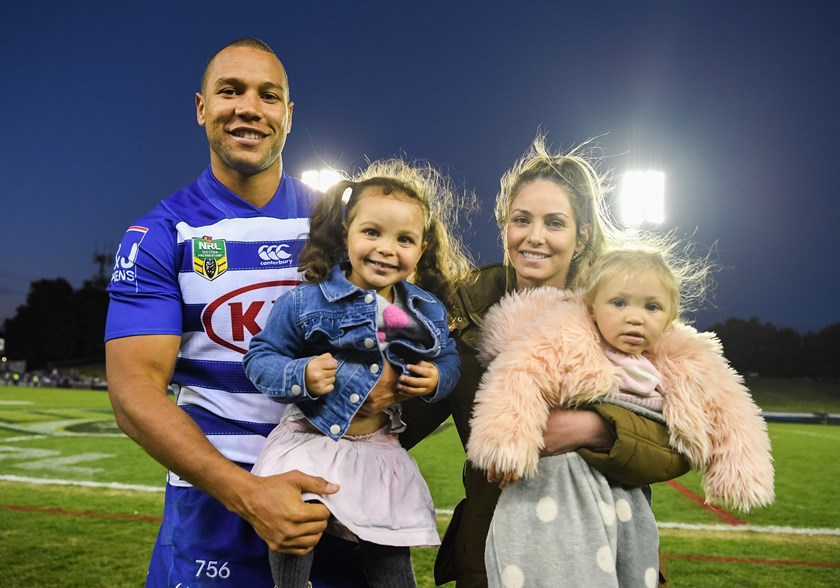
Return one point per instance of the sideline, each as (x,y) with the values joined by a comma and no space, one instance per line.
(752,560)
(769,529)
(86,484)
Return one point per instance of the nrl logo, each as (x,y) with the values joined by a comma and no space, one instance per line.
(209,257)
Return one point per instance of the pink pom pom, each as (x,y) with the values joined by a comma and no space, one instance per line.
(395,317)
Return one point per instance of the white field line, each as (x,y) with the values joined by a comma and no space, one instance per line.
(812,434)
(55,482)
(751,528)
(770,529)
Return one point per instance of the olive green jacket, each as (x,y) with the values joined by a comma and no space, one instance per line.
(640,455)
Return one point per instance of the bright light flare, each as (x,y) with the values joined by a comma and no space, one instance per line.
(642,198)
(321,179)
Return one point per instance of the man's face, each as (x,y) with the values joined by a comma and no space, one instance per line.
(246,111)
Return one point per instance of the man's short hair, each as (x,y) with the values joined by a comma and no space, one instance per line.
(249,42)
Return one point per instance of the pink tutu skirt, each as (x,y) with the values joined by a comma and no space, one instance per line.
(383,497)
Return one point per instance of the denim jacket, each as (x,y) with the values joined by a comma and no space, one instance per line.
(338,317)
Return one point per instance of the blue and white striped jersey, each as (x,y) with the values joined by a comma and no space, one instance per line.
(207,265)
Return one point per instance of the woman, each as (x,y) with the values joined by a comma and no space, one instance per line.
(550,212)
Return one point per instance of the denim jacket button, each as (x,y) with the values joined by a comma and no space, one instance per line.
(368,298)
(335,429)
(354,398)
(295,390)
(374,369)
(369,343)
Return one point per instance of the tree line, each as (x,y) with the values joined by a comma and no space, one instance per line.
(59,324)
(755,347)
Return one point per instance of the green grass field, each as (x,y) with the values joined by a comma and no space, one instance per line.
(80,503)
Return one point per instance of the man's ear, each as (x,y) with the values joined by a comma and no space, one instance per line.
(199,109)
(289,117)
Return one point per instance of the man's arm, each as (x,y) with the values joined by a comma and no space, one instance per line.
(139,369)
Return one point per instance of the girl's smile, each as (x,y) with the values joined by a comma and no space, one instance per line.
(384,240)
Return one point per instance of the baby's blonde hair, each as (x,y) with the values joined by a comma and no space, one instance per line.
(685,277)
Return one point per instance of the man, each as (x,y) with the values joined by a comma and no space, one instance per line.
(193,281)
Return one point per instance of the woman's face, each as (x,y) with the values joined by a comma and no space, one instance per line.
(541,235)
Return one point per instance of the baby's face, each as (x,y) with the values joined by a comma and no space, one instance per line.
(632,311)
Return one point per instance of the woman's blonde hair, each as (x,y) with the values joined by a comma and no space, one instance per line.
(577,173)
(444,262)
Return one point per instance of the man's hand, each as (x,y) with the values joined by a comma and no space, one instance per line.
(319,374)
(274,508)
(423,381)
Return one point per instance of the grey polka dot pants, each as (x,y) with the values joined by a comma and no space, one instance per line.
(571,526)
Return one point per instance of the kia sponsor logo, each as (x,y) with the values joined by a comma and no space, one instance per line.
(233,318)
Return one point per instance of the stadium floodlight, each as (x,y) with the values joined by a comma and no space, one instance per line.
(320,179)
(642,197)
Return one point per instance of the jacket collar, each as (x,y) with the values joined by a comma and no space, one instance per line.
(487,287)
(338,287)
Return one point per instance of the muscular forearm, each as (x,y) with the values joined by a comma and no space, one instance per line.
(139,369)
(173,439)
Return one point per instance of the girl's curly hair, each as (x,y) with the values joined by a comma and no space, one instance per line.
(444,262)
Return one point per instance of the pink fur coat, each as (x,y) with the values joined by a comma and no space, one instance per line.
(542,350)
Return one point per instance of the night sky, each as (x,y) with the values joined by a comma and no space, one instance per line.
(737,102)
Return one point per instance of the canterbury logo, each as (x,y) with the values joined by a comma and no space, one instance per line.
(274,252)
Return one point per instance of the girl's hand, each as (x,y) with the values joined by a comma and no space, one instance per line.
(319,374)
(502,479)
(423,381)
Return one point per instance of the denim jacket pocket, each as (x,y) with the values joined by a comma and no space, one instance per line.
(332,331)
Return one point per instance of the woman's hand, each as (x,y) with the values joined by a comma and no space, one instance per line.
(570,429)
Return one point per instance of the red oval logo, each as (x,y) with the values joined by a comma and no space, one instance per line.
(232,319)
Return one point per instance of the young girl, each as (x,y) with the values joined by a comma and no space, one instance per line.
(328,342)
(617,341)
